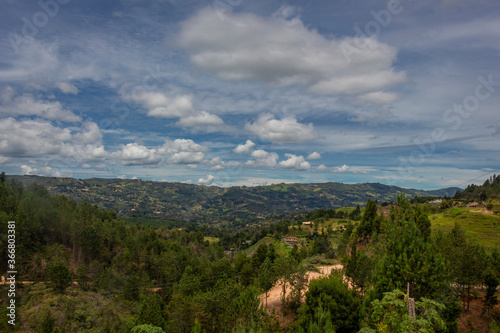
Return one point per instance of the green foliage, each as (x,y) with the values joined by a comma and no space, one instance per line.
(285,267)
(408,258)
(344,240)
(424,224)
(494,261)
(260,255)
(46,323)
(467,260)
(470,268)
(90,243)
(59,275)
(332,295)
(490,299)
(266,276)
(151,311)
(298,285)
(322,245)
(444,205)
(391,315)
(122,269)
(321,324)
(479,227)
(162,203)
(115,263)
(131,288)
(489,188)
(494,327)
(359,268)
(217,308)
(356,214)
(247,308)
(146,329)
(370,222)
(76,312)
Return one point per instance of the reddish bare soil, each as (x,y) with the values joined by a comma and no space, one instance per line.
(473,319)
(274,295)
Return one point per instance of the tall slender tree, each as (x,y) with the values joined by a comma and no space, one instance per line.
(266,276)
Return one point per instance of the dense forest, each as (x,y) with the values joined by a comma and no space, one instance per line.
(82,269)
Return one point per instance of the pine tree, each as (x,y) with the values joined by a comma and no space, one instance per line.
(266,276)
(260,255)
(321,324)
(409,259)
(151,311)
(359,268)
(46,323)
(424,224)
(368,223)
(467,261)
(490,299)
(333,295)
(284,267)
(60,276)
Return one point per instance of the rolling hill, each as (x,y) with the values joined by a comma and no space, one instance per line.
(211,204)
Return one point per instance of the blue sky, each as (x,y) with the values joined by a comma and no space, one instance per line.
(240,92)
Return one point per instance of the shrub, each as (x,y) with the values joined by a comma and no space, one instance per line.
(60,276)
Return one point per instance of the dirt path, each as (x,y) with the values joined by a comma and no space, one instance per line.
(483,211)
(274,295)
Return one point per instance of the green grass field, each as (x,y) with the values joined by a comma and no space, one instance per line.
(482,228)
(212,239)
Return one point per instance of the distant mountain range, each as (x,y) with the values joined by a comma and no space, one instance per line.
(210,204)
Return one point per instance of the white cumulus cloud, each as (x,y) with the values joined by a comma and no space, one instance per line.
(31,138)
(263,158)
(67,88)
(181,145)
(295,162)
(161,106)
(244,148)
(282,50)
(314,156)
(183,151)
(27,170)
(284,130)
(28,105)
(201,118)
(136,154)
(186,157)
(206,181)
(341,169)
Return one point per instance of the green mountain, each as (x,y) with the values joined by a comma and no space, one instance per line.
(214,205)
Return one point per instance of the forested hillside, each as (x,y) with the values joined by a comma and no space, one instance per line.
(82,269)
(215,205)
(89,271)
(489,189)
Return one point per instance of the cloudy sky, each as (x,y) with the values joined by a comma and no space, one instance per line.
(251,92)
